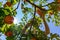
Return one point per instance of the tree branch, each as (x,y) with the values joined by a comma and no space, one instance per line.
(49,4)
(31,22)
(26,26)
(47,30)
(34,12)
(17,6)
(36,6)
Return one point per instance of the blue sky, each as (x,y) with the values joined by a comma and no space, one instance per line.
(53,28)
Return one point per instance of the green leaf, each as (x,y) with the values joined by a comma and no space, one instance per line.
(6,12)
(14,2)
(10,38)
(14,13)
(2,12)
(0,4)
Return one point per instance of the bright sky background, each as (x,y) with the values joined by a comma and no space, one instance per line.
(53,28)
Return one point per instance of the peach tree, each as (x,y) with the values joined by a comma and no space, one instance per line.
(34,16)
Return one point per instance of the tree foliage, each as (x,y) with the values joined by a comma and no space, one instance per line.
(29,28)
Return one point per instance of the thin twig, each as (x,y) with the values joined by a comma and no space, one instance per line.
(17,6)
(49,4)
(34,12)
